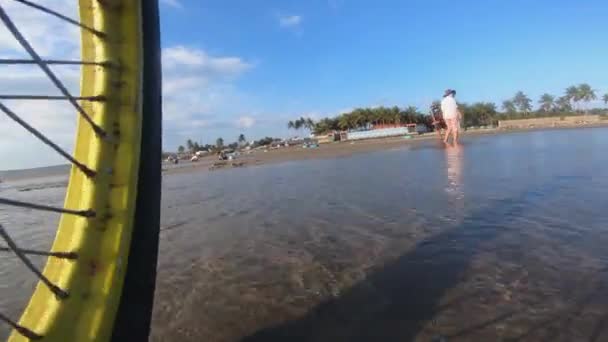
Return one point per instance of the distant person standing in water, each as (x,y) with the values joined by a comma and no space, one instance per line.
(451,115)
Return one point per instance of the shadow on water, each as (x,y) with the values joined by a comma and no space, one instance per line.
(396,302)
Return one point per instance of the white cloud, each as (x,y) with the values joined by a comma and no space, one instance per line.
(175,85)
(245,122)
(184,57)
(172,3)
(195,82)
(37,27)
(199,92)
(290,21)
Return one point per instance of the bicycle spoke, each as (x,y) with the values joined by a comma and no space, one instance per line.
(60,16)
(34,55)
(50,97)
(59,292)
(53,62)
(84,213)
(21,329)
(60,255)
(85,169)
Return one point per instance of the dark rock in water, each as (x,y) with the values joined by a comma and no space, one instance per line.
(238,164)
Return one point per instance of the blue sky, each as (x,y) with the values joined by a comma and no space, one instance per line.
(232,67)
(319,57)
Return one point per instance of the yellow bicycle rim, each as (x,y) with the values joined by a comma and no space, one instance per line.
(94,280)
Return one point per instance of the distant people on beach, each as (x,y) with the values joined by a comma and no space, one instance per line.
(451,115)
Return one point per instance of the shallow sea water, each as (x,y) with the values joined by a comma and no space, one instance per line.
(502,239)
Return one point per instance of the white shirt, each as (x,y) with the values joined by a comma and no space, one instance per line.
(449,107)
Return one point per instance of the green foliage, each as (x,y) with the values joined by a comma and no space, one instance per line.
(573,95)
(522,102)
(242,138)
(476,114)
(583,92)
(263,142)
(479,114)
(562,104)
(586,93)
(326,125)
(364,118)
(302,122)
(546,102)
(508,106)
(190,145)
(219,143)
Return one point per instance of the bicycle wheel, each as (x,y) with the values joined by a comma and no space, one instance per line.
(98,281)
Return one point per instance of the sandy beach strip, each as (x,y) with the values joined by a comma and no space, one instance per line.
(333,150)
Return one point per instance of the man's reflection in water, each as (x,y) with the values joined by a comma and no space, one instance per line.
(454,189)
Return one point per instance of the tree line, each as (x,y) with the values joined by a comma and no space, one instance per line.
(574,101)
(362,118)
(569,102)
(193,146)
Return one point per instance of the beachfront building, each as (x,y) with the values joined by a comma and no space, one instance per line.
(382,131)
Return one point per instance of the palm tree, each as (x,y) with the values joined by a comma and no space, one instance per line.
(563,104)
(409,114)
(573,95)
(310,124)
(180,149)
(523,102)
(394,112)
(508,106)
(344,122)
(219,143)
(242,139)
(605,98)
(302,122)
(367,116)
(190,145)
(296,124)
(586,93)
(359,118)
(325,125)
(546,102)
(385,115)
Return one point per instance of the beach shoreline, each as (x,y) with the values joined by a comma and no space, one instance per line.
(294,153)
(339,149)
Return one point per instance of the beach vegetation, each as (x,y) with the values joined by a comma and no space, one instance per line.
(476,114)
